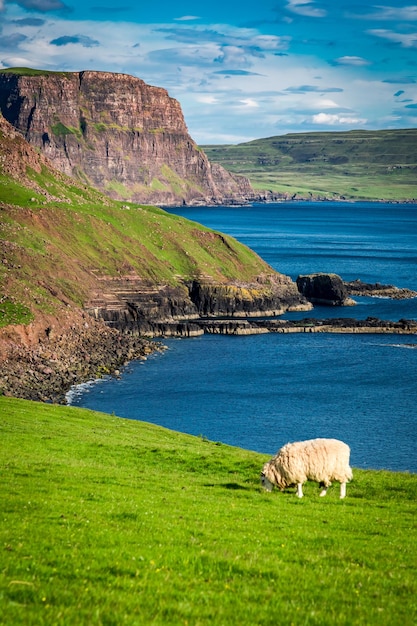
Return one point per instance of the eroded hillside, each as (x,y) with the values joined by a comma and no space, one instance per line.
(72,258)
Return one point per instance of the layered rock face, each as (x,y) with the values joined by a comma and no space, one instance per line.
(130,306)
(118,134)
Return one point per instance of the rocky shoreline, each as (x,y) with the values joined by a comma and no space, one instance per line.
(43,361)
(376,290)
(244,326)
(46,370)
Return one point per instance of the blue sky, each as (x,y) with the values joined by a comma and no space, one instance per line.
(240,69)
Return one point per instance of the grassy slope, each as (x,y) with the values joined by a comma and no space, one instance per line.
(61,236)
(111,521)
(356,164)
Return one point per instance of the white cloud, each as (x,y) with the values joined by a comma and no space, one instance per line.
(305,7)
(408,40)
(270,42)
(351,60)
(403,14)
(207,99)
(233,56)
(194,55)
(249,103)
(15,62)
(186,18)
(328,104)
(211,136)
(330,119)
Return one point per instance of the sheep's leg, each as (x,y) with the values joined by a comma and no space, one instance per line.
(343,490)
(324,488)
(300,490)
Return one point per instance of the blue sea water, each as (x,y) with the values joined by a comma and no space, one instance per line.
(258,392)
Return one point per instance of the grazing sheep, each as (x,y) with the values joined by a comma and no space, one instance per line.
(321,460)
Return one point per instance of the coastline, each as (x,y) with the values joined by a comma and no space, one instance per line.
(44,370)
(48,371)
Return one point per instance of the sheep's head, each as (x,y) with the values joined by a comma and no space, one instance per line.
(266,484)
(271,476)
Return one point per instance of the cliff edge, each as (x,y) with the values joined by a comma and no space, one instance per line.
(118,134)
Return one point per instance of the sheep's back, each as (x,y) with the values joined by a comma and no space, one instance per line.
(321,460)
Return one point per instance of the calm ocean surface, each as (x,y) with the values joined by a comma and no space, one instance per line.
(260,391)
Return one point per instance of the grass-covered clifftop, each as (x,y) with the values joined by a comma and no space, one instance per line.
(28,71)
(59,238)
(109,521)
(370,165)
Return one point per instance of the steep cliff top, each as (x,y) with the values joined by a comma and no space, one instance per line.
(27,72)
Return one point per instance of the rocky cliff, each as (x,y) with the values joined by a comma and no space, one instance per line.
(118,134)
(325,289)
(130,306)
(330,290)
(81,276)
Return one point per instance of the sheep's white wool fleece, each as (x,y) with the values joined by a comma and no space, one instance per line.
(320,460)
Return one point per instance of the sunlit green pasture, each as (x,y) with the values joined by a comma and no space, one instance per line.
(355,165)
(106,521)
(397,187)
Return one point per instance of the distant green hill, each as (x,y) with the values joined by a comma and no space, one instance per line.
(357,164)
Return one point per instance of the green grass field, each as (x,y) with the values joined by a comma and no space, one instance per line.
(106,521)
(365,165)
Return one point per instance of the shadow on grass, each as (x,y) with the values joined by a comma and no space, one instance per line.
(231,486)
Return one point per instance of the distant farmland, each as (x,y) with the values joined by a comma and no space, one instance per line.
(367,165)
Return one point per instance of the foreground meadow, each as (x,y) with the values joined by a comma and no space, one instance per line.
(106,521)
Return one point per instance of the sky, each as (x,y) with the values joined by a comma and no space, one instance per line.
(241,69)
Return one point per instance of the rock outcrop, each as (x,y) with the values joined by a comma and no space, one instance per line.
(133,307)
(331,290)
(118,134)
(325,289)
(370,325)
(359,288)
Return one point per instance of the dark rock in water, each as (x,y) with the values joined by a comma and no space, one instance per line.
(359,288)
(327,289)
(273,297)
(232,327)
